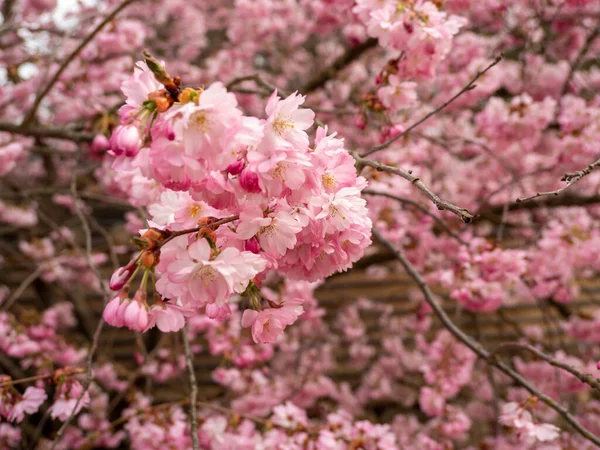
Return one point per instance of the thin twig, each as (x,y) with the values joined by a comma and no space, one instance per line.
(268,87)
(421,208)
(194,230)
(46,132)
(442,205)
(476,347)
(22,287)
(575,64)
(189,360)
(570,178)
(40,377)
(96,338)
(583,377)
(31,114)
(351,55)
(471,85)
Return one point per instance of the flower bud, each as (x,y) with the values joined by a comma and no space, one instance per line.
(208,233)
(136,314)
(111,311)
(360,120)
(99,145)
(126,140)
(121,276)
(249,181)
(148,259)
(218,312)
(252,245)
(396,130)
(235,168)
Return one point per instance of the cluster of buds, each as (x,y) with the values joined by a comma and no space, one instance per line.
(133,313)
(391,68)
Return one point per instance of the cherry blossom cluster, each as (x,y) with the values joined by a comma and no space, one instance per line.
(242,182)
(288,207)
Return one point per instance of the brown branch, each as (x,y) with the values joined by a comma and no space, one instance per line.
(257,79)
(193,390)
(96,338)
(351,55)
(583,377)
(14,370)
(547,202)
(22,287)
(575,64)
(42,132)
(442,205)
(421,208)
(40,377)
(257,420)
(476,347)
(470,86)
(194,230)
(31,114)
(570,178)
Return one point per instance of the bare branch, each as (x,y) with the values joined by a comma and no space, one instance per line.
(41,132)
(421,208)
(583,377)
(268,87)
(193,390)
(576,62)
(442,205)
(22,287)
(96,338)
(476,347)
(31,114)
(471,85)
(70,372)
(351,55)
(570,178)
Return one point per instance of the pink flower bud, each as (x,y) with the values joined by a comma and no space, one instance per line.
(100,144)
(252,245)
(136,316)
(111,312)
(120,315)
(218,312)
(121,276)
(235,168)
(360,120)
(125,140)
(395,131)
(249,181)
(384,134)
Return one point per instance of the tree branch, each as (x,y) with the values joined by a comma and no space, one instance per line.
(193,390)
(583,377)
(476,347)
(421,208)
(22,287)
(31,114)
(570,178)
(351,55)
(268,87)
(96,338)
(40,132)
(442,205)
(470,86)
